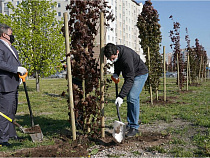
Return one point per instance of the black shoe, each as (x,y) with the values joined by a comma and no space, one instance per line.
(132,132)
(5,144)
(127,128)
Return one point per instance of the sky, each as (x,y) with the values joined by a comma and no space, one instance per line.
(193,15)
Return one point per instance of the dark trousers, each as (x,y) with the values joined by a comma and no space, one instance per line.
(8,106)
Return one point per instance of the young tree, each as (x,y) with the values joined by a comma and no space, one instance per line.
(38,38)
(175,38)
(150,35)
(201,59)
(83,28)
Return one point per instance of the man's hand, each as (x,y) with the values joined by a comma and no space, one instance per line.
(119,101)
(21,70)
(115,78)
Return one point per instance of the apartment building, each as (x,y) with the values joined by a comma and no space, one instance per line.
(60,8)
(169,58)
(122,30)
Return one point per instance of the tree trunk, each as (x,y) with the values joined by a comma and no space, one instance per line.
(37,82)
(157,94)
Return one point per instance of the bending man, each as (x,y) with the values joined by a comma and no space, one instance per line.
(135,74)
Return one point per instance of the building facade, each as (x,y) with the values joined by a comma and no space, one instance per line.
(60,7)
(122,31)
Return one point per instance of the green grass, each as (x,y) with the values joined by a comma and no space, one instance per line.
(51,113)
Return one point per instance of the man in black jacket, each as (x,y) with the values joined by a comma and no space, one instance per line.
(135,74)
(9,82)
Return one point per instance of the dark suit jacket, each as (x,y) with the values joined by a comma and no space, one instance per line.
(9,79)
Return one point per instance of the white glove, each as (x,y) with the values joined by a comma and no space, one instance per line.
(118,101)
(20,81)
(115,76)
(21,70)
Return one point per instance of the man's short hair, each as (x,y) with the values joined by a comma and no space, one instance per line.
(109,50)
(4,28)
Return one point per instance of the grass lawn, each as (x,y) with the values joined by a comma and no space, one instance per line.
(51,113)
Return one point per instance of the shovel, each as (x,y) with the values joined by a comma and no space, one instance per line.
(14,122)
(35,131)
(24,130)
(119,127)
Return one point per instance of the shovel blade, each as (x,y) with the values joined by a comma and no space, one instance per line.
(35,132)
(36,137)
(119,131)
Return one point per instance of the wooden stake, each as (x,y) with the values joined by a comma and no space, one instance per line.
(164,69)
(102,73)
(150,87)
(177,57)
(188,70)
(69,75)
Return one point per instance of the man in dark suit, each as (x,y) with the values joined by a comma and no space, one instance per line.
(9,82)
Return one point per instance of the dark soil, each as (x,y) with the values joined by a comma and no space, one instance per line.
(79,148)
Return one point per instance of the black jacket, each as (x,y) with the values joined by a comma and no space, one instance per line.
(130,64)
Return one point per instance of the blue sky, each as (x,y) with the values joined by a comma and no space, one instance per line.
(195,15)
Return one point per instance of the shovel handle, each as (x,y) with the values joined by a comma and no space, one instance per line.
(117,106)
(29,105)
(116,88)
(118,113)
(23,77)
(10,120)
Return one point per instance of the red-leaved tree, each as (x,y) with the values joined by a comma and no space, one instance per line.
(83,28)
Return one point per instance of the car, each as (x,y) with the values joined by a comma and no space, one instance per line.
(56,75)
(171,74)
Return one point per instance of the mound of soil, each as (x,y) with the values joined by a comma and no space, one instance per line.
(82,146)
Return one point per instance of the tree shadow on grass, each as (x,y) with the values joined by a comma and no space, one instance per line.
(50,127)
(60,129)
(62,95)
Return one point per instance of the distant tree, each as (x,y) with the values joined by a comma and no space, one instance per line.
(38,36)
(150,36)
(201,59)
(175,38)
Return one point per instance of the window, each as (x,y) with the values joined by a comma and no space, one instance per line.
(6,13)
(59,5)
(59,13)
(18,2)
(5,7)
